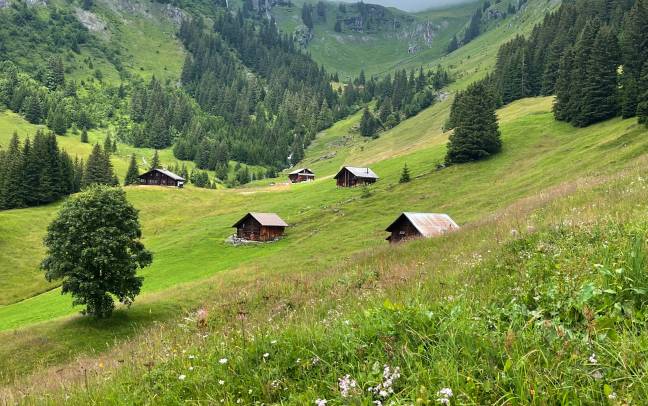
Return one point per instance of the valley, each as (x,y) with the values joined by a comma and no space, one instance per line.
(510,309)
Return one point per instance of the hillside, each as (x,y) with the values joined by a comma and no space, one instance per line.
(539,296)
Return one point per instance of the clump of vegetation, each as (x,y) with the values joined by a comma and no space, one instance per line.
(405,175)
(94,247)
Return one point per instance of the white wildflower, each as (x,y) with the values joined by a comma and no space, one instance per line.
(191,368)
(273,342)
(597,375)
(592,359)
(321,402)
(250,392)
(182,377)
(444,396)
(266,355)
(346,385)
(192,357)
(221,382)
(612,396)
(222,361)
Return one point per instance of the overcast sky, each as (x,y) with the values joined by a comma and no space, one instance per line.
(412,5)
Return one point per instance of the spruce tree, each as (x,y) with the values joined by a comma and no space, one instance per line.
(132,174)
(108,145)
(367,124)
(84,135)
(562,108)
(405,175)
(155,162)
(98,169)
(476,134)
(599,94)
(642,106)
(13,195)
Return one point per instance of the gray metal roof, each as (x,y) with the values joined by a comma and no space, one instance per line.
(359,172)
(295,172)
(265,219)
(428,224)
(167,173)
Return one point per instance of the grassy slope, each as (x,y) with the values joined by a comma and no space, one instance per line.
(376,53)
(185,229)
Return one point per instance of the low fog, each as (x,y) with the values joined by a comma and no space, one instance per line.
(413,5)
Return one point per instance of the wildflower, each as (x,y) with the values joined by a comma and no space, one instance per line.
(444,396)
(612,396)
(592,359)
(321,402)
(250,392)
(273,342)
(266,355)
(275,384)
(597,375)
(346,385)
(298,361)
(221,382)
(192,357)
(222,361)
(191,368)
(182,377)
(316,360)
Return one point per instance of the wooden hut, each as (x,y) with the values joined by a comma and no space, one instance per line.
(161,177)
(301,175)
(350,176)
(260,227)
(420,225)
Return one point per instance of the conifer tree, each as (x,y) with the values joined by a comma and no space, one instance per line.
(599,94)
(12,194)
(132,174)
(84,135)
(155,162)
(405,175)
(642,106)
(108,145)
(57,120)
(367,123)
(563,108)
(98,169)
(476,133)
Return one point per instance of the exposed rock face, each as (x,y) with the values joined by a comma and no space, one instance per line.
(174,13)
(4,3)
(90,20)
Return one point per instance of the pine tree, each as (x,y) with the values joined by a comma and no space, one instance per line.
(155,162)
(98,169)
(599,92)
(563,108)
(108,145)
(57,120)
(476,134)
(642,106)
(367,124)
(12,193)
(33,109)
(453,45)
(405,175)
(132,174)
(84,135)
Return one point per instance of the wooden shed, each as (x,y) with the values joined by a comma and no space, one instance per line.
(420,225)
(350,176)
(161,177)
(260,227)
(301,175)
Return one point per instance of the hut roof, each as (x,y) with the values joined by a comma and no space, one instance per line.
(358,172)
(428,224)
(300,170)
(165,172)
(265,219)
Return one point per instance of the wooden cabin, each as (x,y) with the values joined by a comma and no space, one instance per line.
(260,227)
(161,177)
(301,175)
(420,225)
(350,176)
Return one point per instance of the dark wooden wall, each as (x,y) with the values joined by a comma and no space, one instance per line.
(252,230)
(157,178)
(404,230)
